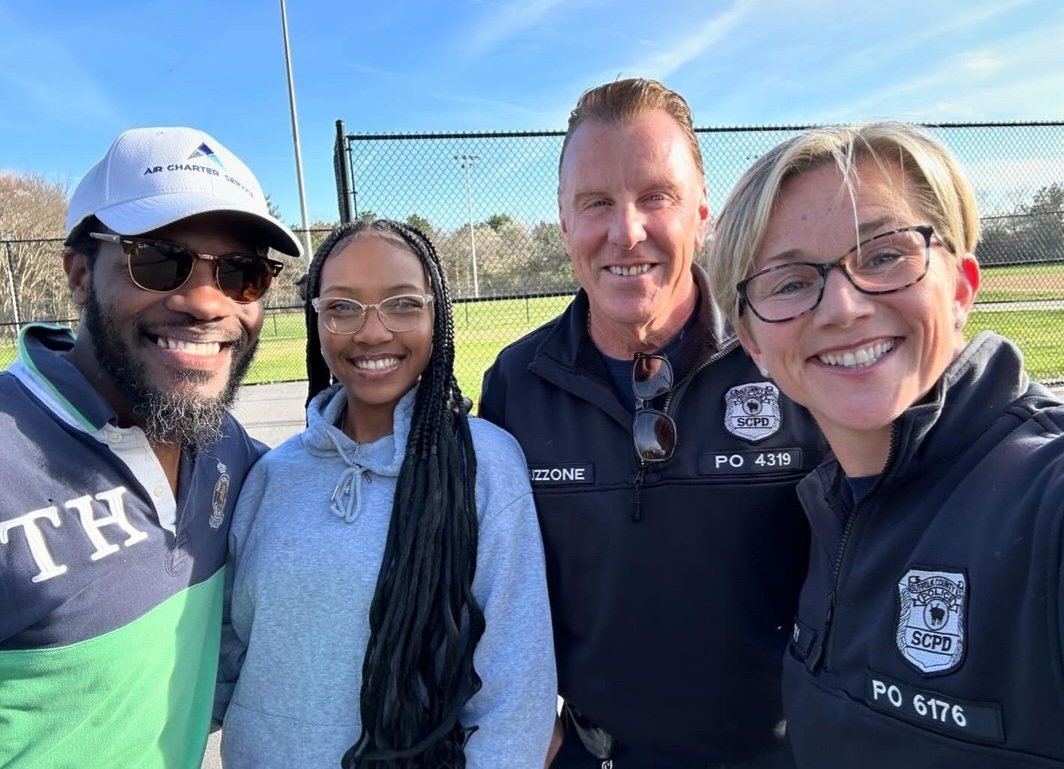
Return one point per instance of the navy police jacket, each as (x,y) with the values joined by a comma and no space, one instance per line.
(929,629)
(672,585)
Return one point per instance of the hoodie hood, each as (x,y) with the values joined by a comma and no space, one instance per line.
(358,462)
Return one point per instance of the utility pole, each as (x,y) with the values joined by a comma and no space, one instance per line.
(467,162)
(295,134)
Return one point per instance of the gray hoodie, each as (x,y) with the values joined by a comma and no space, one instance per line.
(306,545)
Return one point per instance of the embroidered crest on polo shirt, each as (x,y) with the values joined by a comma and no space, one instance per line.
(753,411)
(932,607)
(221,494)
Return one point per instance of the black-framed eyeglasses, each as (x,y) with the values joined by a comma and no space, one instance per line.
(653,431)
(161,266)
(346,316)
(885,263)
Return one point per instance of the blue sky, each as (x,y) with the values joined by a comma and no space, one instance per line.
(73,74)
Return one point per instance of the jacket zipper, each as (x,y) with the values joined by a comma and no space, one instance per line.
(637,481)
(669,399)
(637,502)
(820,660)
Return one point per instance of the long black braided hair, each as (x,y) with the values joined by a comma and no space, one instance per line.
(424,621)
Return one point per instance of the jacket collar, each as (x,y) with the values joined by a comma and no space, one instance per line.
(962,412)
(44,368)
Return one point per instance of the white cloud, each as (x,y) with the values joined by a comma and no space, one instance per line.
(1014,78)
(506,21)
(980,63)
(687,46)
(966,15)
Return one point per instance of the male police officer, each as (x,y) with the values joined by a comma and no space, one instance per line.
(122,462)
(662,460)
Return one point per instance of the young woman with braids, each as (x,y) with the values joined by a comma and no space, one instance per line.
(388,602)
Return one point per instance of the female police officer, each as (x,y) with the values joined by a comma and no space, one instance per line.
(929,627)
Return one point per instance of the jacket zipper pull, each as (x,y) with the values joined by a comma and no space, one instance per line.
(818,653)
(637,505)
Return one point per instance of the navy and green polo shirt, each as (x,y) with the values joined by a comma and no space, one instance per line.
(110,587)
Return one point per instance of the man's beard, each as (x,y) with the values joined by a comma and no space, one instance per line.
(168,416)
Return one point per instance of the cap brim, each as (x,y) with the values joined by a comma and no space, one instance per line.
(136,217)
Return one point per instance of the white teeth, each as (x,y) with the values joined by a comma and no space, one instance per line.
(376,364)
(635,269)
(196,348)
(860,358)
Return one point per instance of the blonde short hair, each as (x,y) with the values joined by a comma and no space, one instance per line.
(624,100)
(935,186)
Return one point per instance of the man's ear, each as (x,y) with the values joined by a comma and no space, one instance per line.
(78,270)
(562,221)
(704,218)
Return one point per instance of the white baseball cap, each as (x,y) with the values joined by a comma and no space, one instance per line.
(152,177)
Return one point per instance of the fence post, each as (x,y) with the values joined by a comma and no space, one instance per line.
(345,194)
(11,285)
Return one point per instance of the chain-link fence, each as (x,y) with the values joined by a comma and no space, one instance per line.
(35,290)
(488,201)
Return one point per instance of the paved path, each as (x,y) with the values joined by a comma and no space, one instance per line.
(272,412)
(1024,304)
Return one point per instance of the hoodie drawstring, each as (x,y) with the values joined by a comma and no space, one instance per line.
(346,499)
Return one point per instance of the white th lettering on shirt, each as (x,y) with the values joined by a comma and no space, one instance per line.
(29,525)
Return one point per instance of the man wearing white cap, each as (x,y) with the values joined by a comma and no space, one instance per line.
(123,463)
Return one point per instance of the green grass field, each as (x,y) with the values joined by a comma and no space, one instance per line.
(1038,333)
(1015,284)
(481,330)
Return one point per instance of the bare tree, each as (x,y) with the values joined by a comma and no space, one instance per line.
(1032,233)
(32,214)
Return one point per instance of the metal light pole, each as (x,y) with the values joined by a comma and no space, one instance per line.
(295,133)
(467,162)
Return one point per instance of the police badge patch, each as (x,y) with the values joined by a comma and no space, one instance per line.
(753,411)
(931,616)
(221,494)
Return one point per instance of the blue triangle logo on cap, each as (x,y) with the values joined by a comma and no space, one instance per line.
(204,151)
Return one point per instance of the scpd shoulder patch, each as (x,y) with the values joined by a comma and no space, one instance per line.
(753,411)
(932,609)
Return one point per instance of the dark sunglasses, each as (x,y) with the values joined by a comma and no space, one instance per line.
(162,266)
(653,431)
